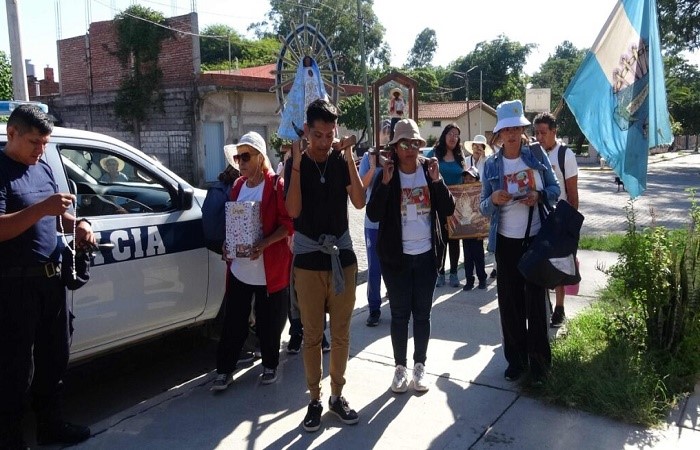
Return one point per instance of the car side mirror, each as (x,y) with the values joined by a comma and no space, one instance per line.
(185,197)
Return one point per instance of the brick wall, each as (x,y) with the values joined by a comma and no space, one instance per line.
(72,65)
(177,58)
(166,134)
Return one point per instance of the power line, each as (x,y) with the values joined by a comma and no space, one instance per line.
(188,33)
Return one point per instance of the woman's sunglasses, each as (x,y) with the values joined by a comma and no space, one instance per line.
(245,157)
(415,145)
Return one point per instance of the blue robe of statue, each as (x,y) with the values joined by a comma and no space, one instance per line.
(305,90)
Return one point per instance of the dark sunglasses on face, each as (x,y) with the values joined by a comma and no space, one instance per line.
(245,157)
(415,145)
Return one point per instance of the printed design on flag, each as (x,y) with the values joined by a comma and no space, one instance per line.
(631,88)
(518,184)
(418,198)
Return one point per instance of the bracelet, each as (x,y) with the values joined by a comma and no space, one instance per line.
(83,220)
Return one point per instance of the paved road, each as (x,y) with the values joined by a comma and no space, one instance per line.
(107,385)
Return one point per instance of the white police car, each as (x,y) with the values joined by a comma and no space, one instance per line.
(158,276)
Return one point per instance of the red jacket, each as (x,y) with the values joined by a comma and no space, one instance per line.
(273,213)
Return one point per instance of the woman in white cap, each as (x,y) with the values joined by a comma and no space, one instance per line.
(264,274)
(514,182)
(478,150)
(406,203)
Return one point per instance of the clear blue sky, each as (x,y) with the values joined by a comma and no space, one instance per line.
(546,23)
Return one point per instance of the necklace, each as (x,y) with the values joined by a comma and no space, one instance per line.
(323,174)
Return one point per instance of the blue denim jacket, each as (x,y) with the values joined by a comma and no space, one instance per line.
(492,180)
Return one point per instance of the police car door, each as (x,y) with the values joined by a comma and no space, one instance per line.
(155,276)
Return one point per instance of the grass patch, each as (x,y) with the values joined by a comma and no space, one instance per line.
(605,243)
(613,378)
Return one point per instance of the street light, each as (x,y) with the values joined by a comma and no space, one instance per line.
(465,75)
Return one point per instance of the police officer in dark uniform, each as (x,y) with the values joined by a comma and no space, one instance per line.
(34,324)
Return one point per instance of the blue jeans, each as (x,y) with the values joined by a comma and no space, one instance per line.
(411,292)
(374,270)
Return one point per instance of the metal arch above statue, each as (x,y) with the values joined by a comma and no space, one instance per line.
(306,62)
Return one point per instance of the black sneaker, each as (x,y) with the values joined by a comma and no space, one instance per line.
(513,373)
(312,421)
(558,317)
(246,357)
(61,433)
(325,345)
(341,408)
(269,376)
(493,273)
(374,318)
(468,286)
(482,284)
(294,345)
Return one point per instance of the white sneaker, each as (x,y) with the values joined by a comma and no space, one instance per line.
(419,383)
(400,381)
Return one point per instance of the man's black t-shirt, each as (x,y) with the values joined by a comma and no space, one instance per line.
(324,206)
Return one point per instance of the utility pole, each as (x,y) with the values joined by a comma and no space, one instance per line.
(469,122)
(368,122)
(481,101)
(19,73)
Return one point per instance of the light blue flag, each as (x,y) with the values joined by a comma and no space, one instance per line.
(618,95)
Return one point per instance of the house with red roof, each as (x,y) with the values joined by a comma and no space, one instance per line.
(433,117)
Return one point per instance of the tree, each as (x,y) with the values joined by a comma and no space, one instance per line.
(501,62)
(260,52)
(679,23)
(683,91)
(353,114)
(339,24)
(214,47)
(138,48)
(214,44)
(556,73)
(421,55)
(5,77)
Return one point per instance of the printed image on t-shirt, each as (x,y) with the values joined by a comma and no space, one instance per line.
(415,202)
(518,184)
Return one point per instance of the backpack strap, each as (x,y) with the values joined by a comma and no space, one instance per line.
(562,161)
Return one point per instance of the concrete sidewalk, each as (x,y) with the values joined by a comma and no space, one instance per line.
(469,405)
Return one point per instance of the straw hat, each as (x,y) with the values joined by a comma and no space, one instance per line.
(478,139)
(391,92)
(120,163)
(406,129)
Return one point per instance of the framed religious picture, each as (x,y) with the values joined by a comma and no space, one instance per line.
(467,221)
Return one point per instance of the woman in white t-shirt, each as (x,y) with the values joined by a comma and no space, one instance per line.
(406,200)
(514,182)
(261,272)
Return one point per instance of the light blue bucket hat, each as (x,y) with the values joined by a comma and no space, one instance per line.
(510,114)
